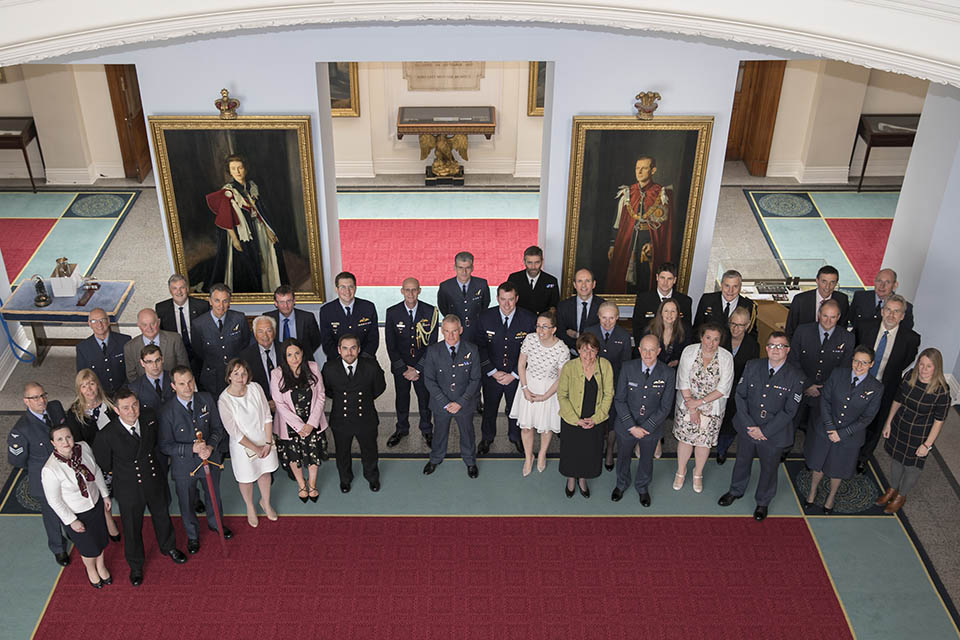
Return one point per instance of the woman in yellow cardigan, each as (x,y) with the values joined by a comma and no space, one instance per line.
(585,393)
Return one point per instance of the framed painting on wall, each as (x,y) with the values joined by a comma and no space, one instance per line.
(536,88)
(344,92)
(634,200)
(240,204)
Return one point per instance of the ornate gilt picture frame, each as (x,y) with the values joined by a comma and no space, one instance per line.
(536,88)
(344,90)
(634,200)
(250,235)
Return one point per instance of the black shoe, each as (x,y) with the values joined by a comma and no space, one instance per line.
(96,585)
(428,438)
(115,538)
(727,499)
(177,556)
(827,511)
(395,439)
(107,580)
(616,495)
(585,492)
(760,513)
(483,448)
(374,485)
(808,505)
(472,471)
(519,446)
(568,492)
(323,447)
(645,499)
(479,407)
(429,468)
(62,558)
(136,578)
(193,545)
(861,467)
(721,457)
(783,458)
(227,533)
(200,508)
(344,487)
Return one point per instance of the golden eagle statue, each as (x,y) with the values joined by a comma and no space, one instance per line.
(444,164)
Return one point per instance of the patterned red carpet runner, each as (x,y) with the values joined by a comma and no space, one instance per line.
(19,239)
(467,577)
(859,240)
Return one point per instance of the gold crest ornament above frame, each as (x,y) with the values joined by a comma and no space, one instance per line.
(212,216)
(536,88)
(633,203)
(344,89)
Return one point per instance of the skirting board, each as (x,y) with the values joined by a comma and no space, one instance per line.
(355,169)
(527,169)
(72,176)
(808,175)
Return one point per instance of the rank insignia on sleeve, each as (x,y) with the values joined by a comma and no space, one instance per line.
(16,449)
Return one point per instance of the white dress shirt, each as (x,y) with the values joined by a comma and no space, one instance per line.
(62,491)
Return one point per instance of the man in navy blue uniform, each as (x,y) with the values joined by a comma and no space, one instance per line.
(293,322)
(152,388)
(103,352)
(537,290)
(502,330)
(410,327)
(465,296)
(768,396)
(219,336)
(180,420)
(348,315)
(29,448)
(644,398)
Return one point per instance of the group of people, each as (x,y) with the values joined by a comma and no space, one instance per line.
(200,381)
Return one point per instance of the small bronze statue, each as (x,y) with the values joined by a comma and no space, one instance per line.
(41,299)
(63,268)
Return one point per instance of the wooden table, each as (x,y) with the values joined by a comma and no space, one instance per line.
(17,133)
(112,297)
(434,125)
(884,130)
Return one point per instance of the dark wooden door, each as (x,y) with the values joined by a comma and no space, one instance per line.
(128,114)
(754,113)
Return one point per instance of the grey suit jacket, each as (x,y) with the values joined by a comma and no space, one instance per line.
(171,346)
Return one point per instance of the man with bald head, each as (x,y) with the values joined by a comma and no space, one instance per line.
(170,343)
(867,305)
(410,327)
(103,352)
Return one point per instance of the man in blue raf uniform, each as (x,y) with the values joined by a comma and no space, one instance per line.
(219,336)
(502,330)
(103,352)
(29,448)
(451,370)
(180,420)
(867,305)
(349,315)
(615,347)
(537,290)
(465,296)
(768,396)
(294,323)
(410,327)
(644,398)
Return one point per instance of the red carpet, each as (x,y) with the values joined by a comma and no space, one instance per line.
(472,578)
(383,252)
(19,238)
(859,239)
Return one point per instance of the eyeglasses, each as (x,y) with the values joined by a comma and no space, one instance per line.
(544,326)
(778,347)
(99,321)
(155,361)
(741,325)
(42,396)
(863,363)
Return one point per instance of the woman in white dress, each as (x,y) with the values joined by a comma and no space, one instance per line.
(542,356)
(246,418)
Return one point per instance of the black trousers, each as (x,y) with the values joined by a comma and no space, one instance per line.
(625,444)
(492,392)
(366,435)
(52,525)
(402,386)
(131,517)
(874,430)
(769,455)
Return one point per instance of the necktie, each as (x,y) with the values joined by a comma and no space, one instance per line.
(286,328)
(103,348)
(881,347)
(646,373)
(134,432)
(348,313)
(583,318)
(220,325)
(453,353)
(46,420)
(853,383)
(156,384)
(350,372)
(531,284)
(826,336)
(183,328)
(410,311)
(771,372)
(605,337)
(726,310)
(506,322)
(876,314)
(464,291)
(269,361)
(190,407)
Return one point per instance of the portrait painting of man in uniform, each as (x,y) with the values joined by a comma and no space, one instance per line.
(634,200)
(240,204)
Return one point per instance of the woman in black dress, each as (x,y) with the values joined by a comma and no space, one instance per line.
(744,347)
(913,424)
(585,393)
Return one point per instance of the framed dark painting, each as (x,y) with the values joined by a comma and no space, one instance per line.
(536,88)
(240,203)
(634,200)
(344,92)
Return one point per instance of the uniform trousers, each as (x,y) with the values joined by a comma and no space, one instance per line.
(366,435)
(441,433)
(402,386)
(187,497)
(625,446)
(492,392)
(769,455)
(131,519)
(53,526)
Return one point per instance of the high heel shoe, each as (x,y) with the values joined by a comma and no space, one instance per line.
(568,491)
(107,580)
(268,510)
(698,484)
(678,481)
(527,468)
(808,504)
(96,585)
(585,491)
(303,494)
(827,510)
(115,538)
(313,490)
(608,467)
(541,468)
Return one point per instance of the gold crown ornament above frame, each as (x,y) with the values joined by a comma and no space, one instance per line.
(646,104)
(227,105)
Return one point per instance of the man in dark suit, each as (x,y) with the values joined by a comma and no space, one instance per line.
(349,315)
(264,354)
(465,296)
(644,399)
(895,346)
(538,291)
(719,305)
(578,312)
(354,383)
(190,412)
(768,396)
(178,312)
(218,336)
(29,448)
(805,306)
(502,330)
(410,327)
(294,323)
(615,347)
(451,370)
(150,333)
(649,301)
(125,447)
(103,352)
(867,305)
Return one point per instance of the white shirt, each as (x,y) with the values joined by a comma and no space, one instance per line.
(346,367)
(891,337)
(733,304)
(130,428)
(533,281)
(666,297)
(62,491)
